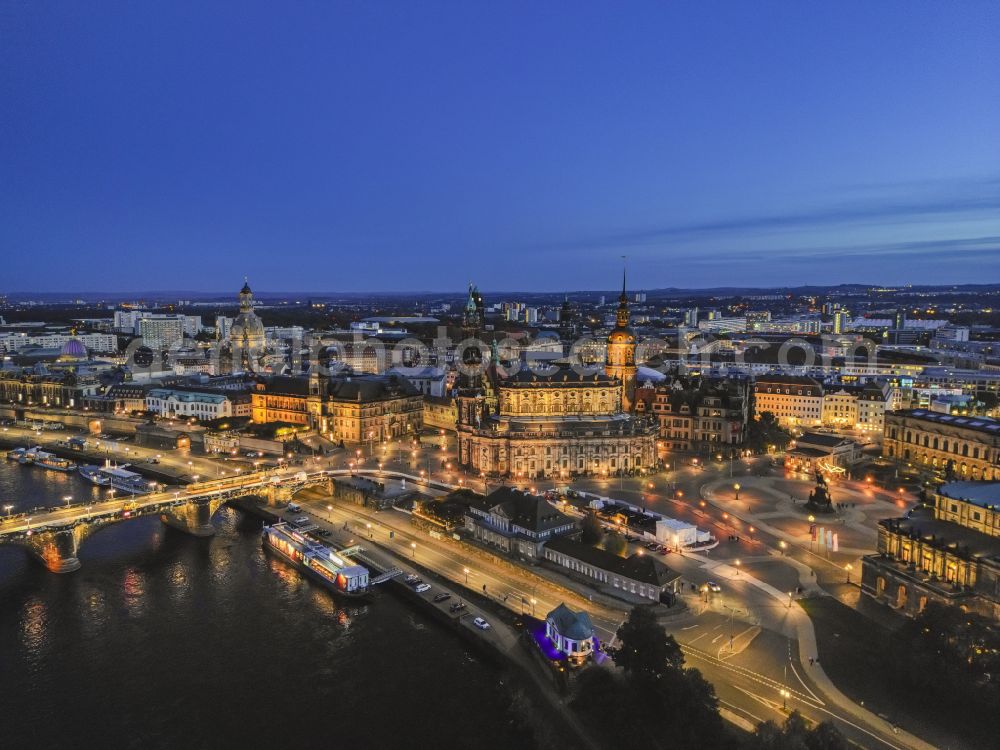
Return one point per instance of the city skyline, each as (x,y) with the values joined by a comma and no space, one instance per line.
(783,146)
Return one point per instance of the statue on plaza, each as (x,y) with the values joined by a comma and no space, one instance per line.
(819,499)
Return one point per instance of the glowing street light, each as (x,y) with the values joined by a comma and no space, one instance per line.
(413,549)
(848,568)
(466,571)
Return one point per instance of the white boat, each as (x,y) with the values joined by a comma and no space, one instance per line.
(15,455)
(28,456)
(52,461)
(93,474)
(124,480)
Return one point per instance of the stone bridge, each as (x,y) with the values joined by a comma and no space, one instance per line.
(55,536)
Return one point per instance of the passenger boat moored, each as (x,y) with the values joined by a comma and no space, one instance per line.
(318,561)
(94,475)
(52,461)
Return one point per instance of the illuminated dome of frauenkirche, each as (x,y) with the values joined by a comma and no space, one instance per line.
(247,330)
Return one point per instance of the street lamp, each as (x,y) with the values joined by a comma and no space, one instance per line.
(329,512)
(7,509)
(783,545)
(848,568)
(534,601)
(466,571)
(737,568)
(736,487)
(789,600)
(67,499)
(369,527)
(413,549)
(784,699)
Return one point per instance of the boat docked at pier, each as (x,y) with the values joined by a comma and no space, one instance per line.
(319,562)
(16,453)
(94,475)
(52,461)
(123,480)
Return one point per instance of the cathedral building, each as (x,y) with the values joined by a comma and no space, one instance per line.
(246,334)
(560,422)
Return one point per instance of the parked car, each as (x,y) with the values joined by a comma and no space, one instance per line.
(713,586)
(442,597)
(422,587)
(457,607)
(411,578)
(480,623)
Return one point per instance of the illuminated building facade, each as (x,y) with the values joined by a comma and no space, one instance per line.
(353,409)
(562,423)
(704,413)
(620,362)
(947,551)
(963,447)
(793,400)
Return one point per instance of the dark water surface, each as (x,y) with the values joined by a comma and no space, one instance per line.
(162,640)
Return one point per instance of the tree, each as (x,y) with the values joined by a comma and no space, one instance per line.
(645,646)
(654,701)
(593,531)
(764,431)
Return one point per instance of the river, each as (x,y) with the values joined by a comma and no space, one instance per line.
(163,640)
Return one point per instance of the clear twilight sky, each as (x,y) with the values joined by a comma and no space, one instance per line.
(351,146)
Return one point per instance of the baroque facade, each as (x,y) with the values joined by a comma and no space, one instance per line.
(559,424)
(560,421)
(693,414)
(962,447)
(947,552)
(352,409)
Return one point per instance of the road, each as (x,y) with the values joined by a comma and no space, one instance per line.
(741,639)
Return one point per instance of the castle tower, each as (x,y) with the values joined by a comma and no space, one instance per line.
(620,362)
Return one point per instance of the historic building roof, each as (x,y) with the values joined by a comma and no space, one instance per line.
(983,494)
(985,425)
(569,624)
(560,376)
(531,512)
(637,567)
(73,349)
(371,388)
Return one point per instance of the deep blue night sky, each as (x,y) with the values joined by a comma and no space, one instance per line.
(322,146)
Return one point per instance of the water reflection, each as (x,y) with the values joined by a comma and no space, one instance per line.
(158,625)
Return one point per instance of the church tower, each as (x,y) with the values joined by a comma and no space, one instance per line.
(620,362)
